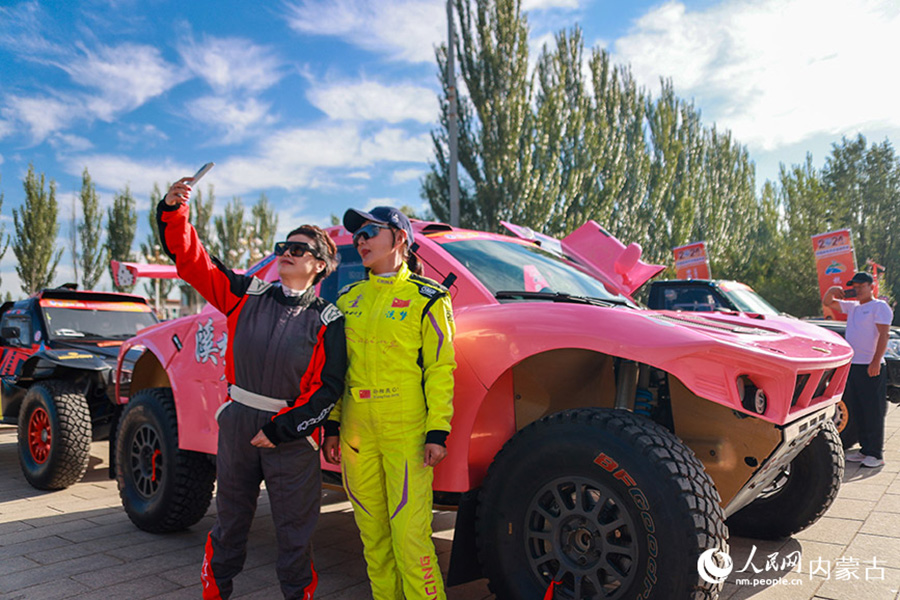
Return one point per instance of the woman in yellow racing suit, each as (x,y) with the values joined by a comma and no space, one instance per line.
(391,426)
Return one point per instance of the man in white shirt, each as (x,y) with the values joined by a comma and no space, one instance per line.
(868,328)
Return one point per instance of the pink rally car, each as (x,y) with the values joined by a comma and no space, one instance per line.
(598,447)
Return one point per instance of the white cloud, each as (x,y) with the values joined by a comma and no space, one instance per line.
(6,128)
(232,64)
(405,175)
(145,134)
(42,116)
(372,101)
(235,117)
(405,30)
(70,143)
(292,159)
(114,80)
(774,72)
(112,173)
(373,202)
(126,76)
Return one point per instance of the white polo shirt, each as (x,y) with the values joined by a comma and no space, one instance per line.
(862,333)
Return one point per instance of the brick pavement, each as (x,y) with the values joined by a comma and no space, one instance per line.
(78,543)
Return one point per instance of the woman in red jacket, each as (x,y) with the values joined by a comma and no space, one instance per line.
(285,364)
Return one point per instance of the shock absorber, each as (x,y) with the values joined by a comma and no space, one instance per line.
(643,397)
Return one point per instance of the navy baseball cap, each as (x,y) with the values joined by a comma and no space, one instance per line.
(386,215)
(861,277)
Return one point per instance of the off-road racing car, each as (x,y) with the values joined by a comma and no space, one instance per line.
(58,353)
(597,447)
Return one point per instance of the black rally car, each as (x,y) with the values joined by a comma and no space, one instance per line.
(58,352)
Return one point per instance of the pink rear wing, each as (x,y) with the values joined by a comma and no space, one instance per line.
(125,273)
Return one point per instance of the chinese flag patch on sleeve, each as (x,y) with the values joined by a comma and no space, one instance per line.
(398,303)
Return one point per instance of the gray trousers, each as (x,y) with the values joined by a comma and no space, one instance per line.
(294,483)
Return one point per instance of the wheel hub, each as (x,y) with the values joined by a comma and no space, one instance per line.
(580,543)
(579,535)
(146,461)
(39,435)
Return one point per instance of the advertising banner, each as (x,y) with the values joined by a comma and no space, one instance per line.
(691,261)
(835,261)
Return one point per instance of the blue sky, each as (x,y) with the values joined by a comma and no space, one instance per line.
(327,104)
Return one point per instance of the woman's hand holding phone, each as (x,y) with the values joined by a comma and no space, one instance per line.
(181,190)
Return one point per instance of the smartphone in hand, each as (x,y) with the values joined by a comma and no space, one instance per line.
(201,172)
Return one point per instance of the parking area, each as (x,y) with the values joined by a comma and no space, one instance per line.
(78,543)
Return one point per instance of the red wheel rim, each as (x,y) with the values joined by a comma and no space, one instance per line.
(39,435)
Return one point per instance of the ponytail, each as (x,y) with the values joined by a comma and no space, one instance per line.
(412,261)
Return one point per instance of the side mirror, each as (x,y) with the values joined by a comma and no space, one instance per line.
(10,333)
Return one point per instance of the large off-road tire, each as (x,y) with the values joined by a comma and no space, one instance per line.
(54,435)
(162,488)
(605,503)
(846,424)
(800,496)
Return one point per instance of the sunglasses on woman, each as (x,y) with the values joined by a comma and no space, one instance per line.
(296,249)
(367,232)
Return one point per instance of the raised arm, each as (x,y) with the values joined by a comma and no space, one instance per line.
(832,296)
(218,284)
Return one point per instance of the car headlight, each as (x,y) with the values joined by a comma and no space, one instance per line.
(752,397)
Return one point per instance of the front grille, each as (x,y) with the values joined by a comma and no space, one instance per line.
(823,383)
(799,386)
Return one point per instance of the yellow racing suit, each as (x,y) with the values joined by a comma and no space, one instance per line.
(398,397)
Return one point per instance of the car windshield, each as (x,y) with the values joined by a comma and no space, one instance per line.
(77,323)
(751,302)
(515,267)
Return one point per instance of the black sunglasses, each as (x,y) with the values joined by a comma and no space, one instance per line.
(367,232)
(296,249)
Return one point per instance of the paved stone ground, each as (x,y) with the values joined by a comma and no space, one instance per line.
(78,543)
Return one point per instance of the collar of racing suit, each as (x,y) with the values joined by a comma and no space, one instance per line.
(305,298)
(391,279)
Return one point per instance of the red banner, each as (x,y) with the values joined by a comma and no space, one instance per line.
(691,261)
(835,262)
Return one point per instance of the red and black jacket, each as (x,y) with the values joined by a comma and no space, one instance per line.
(286,347)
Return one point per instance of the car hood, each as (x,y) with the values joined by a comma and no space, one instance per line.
(706,353)
(105,350)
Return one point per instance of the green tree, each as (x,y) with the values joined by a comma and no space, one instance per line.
(92,257)
(261,230)
(121,225)
(863,184)
(36,224)
(231,230)
(496,142)
(73,239)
